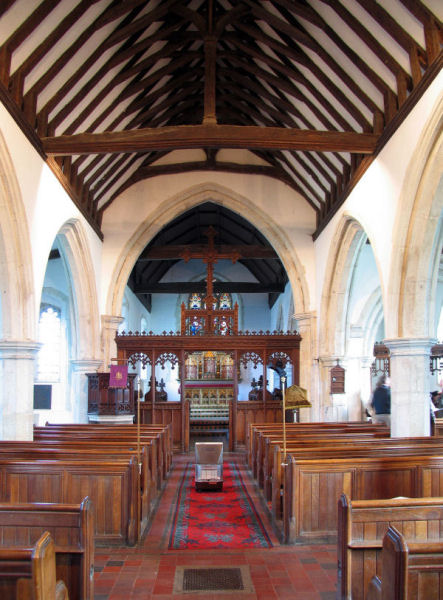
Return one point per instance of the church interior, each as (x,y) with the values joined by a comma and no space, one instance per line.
(221,235)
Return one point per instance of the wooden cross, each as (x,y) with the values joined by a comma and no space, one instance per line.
(210,256)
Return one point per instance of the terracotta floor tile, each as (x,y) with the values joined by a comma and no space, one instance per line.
(146,572)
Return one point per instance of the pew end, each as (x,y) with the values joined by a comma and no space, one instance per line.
(29,573)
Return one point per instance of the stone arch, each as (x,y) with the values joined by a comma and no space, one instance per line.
(370,320)
(345,246)
(77,258)
(418,237)
(173,207)
(16,278)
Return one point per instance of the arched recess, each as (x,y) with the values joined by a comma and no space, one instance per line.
(175,206)
(17,308)
(418,238)
(18,320)
(351,316)
(345,248)
(75,252)
(370,320)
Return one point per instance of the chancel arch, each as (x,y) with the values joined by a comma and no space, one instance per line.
(173,207)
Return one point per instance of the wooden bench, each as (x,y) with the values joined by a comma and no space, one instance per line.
(343,449)
(312,489)
(362,525)
(265,459)
(410,571)
(113,488)
(260,439)
(164,432)
(74,451)
(294,429)
(29,573)
(72,529)
(126,434)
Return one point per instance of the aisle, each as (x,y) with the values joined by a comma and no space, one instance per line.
(152,571)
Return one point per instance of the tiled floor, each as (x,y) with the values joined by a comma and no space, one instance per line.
(147,571)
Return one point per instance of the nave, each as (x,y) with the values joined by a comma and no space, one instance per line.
(148,571)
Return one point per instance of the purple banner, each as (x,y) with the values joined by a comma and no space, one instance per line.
(118,376)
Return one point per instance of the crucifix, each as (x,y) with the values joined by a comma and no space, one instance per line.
(210,256)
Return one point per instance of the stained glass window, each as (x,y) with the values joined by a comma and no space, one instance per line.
(225,301)
(195,301)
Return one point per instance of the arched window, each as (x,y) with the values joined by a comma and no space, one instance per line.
(223,300)
(50,336)
(195,301)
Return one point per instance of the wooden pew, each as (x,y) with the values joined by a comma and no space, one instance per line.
(342,449)
(265,459)
(312,489)
(362,525)
(409,571)
(75,450)
(72,529)
(297,429)
(163,431)
(29,573)
(113,434)
(113,488)
(255,430)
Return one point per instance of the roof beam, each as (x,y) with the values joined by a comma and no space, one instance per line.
(210,136)
(187,287)
(176,251)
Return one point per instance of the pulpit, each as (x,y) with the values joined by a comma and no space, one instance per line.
(110,404)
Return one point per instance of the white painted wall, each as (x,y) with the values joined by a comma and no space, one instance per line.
(375,201)
(47,205)
(276,210)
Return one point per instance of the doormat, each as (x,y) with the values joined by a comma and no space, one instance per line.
(222,519)
(200,580)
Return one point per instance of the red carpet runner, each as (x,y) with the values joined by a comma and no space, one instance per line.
(225,519)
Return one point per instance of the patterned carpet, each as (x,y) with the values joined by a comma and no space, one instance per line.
(216,519)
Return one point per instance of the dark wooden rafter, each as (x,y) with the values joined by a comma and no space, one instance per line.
(111,162)
(277,99)
(286,110)
(215,136)
(299,160)
(371,42)
(233,287)
(125,53)
(172,251)
(248,65)
(287,52)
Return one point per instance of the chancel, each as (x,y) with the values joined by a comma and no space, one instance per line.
(221,223)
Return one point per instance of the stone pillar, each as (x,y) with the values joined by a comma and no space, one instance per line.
(110,324)
(17,370)
(79,387)
(307,328)
(410,386)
